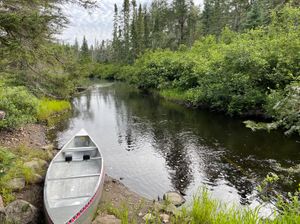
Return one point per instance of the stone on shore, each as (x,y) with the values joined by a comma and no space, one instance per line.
(107,219)
(1,203)
(2,115)
(21,212)
(2,215)
(49,147)
(170,209)
(174,197)
(36,179)
(16,184)
(36,165)
(165,218)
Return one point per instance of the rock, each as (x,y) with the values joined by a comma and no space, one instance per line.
(170,209)
(21,212)
(165,218)
(2,216)
(36,179)
(2,115)
(149,217)
(1,203)
(174,197)
(107,219)
(16,184)
(36,164)
(49,147)
(140,214)
(50,155)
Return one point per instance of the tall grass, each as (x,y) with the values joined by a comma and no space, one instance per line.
(48,108)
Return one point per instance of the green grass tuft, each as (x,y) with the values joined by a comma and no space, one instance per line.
(48,108)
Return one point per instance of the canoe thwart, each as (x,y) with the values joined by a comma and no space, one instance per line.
(75,177)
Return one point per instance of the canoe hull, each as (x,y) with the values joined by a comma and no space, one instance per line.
(88,215)
(63,206)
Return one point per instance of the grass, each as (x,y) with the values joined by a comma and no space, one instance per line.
(205,210)
(48,108)
(174,94)
(12,166)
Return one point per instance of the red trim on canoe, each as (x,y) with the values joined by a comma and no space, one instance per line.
(84,208)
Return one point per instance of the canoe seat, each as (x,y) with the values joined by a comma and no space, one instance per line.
(80,149)
(77,160)
(75,177)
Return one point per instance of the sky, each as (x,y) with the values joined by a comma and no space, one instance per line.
(94,24)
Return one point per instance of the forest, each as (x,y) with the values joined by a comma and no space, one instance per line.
(237,57)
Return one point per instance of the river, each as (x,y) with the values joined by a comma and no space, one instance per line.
(153,145)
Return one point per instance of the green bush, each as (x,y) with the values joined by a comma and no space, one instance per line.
(19,105)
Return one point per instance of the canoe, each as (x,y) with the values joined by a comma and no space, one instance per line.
(74,182)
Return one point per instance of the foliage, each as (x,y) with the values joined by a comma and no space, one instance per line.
(255,73)
(20,106)
(288,207)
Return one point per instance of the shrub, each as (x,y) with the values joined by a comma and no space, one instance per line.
(20,106)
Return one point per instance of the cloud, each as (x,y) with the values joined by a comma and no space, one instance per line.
(94,24)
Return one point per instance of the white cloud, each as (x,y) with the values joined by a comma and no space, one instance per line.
(93,24)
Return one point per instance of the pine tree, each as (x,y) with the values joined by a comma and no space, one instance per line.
(140,30)
(133,33)
(126,30)
(180,10)
(146,37)
(84,52)
(116,38)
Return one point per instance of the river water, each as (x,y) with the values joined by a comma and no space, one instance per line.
(154,146)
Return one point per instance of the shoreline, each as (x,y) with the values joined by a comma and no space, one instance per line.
(115,193)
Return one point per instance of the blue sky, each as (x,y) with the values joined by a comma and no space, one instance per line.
(94,24)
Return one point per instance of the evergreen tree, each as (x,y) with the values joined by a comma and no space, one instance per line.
(180,10)
(84,51)
(133,33)
(140,30)
(126,30)
(146,37)
(116,45)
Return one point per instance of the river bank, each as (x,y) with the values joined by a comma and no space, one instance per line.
(116,197)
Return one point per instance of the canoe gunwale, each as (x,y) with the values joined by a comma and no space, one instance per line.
(92,197)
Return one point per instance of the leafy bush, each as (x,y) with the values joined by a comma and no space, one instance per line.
(20,106)
(286,109)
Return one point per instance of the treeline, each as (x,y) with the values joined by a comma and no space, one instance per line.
(169,24)
(32,65)
(254,73)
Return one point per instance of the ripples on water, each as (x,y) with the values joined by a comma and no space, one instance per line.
(156,146)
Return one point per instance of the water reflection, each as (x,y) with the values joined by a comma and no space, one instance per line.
(157,146)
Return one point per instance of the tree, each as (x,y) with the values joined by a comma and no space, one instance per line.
(116,45)
(84,52)
(180,10)
(126,29)
(140,30)
(133,33)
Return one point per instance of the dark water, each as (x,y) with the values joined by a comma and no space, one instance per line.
(154,145)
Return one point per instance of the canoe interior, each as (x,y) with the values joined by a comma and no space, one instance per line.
(71,184)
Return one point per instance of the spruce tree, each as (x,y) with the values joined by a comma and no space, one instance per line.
(84,51)
(126,30)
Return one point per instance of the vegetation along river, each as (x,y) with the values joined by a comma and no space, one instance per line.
(153,145)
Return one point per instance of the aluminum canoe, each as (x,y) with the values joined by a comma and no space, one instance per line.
(74,182)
